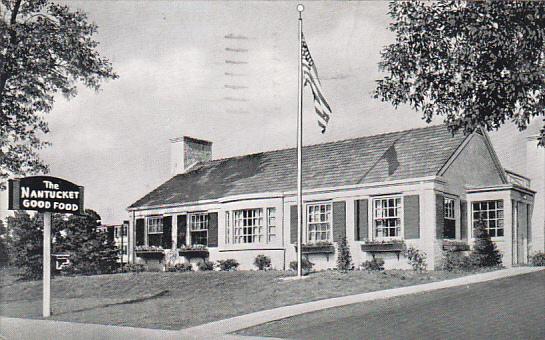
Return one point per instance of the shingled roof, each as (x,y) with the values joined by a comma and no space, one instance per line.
(385,157)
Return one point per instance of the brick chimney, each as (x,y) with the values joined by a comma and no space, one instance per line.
(186,151)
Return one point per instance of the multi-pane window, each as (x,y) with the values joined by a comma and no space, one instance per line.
(248,226)
(155,230)
(227,227)
(271,224)
(450,219)
(387,217)
(319,222)
(198,227)
(491,213)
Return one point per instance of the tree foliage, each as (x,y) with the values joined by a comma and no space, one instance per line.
(4,243)
(90,251)
(475,63)
(45,49)
(27,243)
(485,252)
(344,258)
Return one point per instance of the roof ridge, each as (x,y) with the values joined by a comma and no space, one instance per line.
(200,165)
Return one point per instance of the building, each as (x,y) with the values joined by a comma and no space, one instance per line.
(420,187)
(119,234)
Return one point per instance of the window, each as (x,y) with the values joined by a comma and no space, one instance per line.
(491,213)
(271,224)
(227,227)
(319,222)
(248,226)
(124,250)
(387,217)
(155,230)
(198,227)
(125,230)
(449,230)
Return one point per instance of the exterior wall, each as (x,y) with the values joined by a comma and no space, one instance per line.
(536,172)
(510,197)
(504,244)
(282,251)
(473,166)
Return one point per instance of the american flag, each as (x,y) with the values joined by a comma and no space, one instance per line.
(310,76)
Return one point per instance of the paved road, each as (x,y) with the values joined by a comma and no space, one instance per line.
(511,308)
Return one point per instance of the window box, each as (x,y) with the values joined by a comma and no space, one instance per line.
(451,245)
(149,252)
(195,251)
(383,246)
(317,248)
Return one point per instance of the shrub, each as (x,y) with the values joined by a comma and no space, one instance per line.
(344,259)
(417,259)
(179,267)
(306,265)
(228,265)
(484,251)
(455,260)
(538,259)
(132,268)
(262,262)
(376,264)
(206,265)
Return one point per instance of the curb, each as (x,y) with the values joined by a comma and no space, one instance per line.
(226,326)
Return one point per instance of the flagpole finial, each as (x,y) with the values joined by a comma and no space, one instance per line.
(300,8)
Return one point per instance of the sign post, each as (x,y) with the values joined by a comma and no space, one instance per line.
(47,266)
(46,195)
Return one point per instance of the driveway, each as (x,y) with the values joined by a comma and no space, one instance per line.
(510,308)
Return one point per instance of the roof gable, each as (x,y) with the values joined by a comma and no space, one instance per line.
(391,156)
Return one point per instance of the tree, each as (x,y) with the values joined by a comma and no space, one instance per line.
(344,259)
(484,253)
(4,243)
(45,49)
(91,251)
(476,63)
(27,243)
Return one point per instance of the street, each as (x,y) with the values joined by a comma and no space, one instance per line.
(510,308)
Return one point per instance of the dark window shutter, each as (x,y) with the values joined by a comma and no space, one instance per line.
(463,220)
(110,232)
(339,221)
(182,229)
(213,229)
(140,230)
(361,220)
(440,216)
(411,214)
(293,224)
(167,232)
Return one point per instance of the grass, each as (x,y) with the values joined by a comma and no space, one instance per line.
(179,300)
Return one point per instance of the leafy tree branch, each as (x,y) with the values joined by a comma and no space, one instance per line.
(475,63)
(45,49)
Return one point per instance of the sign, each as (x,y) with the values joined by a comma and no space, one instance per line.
(45,194)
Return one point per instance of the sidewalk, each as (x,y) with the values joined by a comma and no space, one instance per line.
(249,320)
(30,329)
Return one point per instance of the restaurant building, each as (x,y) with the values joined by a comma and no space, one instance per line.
(420,187)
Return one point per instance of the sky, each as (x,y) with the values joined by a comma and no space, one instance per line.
(220,71)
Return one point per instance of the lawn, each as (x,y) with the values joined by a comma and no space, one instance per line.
(179,300)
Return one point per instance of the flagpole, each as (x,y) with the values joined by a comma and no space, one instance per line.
(300,8)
